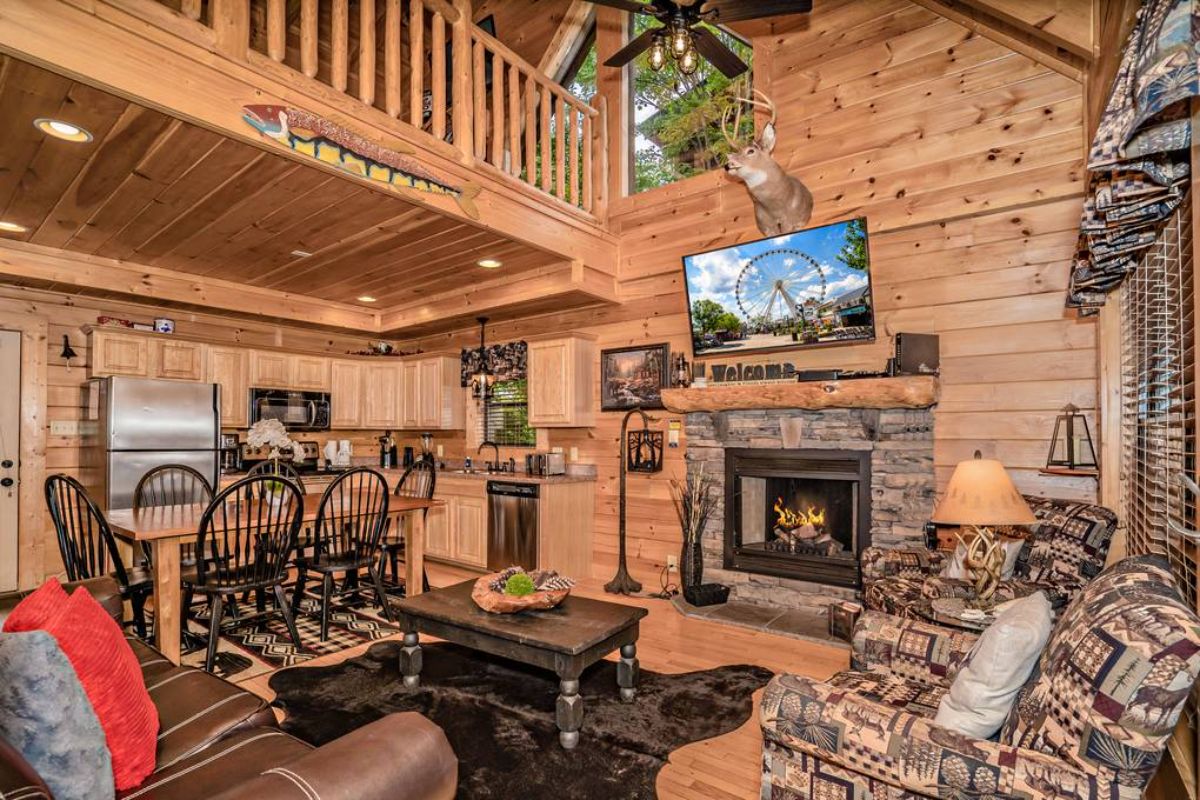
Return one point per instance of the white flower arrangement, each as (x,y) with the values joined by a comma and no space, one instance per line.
(270,433)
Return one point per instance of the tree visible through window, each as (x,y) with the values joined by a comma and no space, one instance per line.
(677,132)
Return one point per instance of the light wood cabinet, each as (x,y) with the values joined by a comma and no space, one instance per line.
(270,370)
(440,404)
(410,405)
(469,527)
(115,353)
(437,533)
(177,359)
(346,394)
(311,373)
(381,395)
(561,378)
(229,367)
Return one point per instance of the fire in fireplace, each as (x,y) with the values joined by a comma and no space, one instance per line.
(797,513)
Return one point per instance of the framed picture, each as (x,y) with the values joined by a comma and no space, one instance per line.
(634,377)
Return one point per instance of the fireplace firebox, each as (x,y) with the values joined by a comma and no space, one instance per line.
(802,514)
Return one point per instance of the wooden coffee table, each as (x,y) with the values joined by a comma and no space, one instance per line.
(567,640)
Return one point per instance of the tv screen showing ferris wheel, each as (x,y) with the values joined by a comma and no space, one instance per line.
(802,289)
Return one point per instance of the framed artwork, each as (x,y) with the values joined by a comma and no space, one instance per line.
(634,377)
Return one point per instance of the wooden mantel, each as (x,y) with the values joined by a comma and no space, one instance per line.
(907,391)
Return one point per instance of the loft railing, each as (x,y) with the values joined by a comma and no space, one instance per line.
(425,64)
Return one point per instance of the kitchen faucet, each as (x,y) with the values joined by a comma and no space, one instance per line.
(495,451)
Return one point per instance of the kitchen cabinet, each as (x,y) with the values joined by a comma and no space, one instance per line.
(561,379)
(311,373)
(177,359)
(346,392)
(410,404)
(437,533)
(270,370)
(381,395)
(470,530)
(440,402)
(229,367)
(116,353)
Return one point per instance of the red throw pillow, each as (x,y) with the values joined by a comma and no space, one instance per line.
(108,669)
(41,604)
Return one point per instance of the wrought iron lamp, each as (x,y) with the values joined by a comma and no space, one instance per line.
(623,582)
(482,381)
(1071,448)
(980,495)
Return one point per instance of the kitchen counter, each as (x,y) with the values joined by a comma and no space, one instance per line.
(393,475)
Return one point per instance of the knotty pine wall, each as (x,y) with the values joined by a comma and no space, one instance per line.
(966,158)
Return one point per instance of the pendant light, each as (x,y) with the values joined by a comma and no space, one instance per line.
(657,54)
(481,381)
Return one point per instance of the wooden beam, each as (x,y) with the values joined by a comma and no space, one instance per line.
(194,83)
(1067,24)
(564,285)
(612,84)
(564,44)
(1016,39)
(60,268)
(910,391)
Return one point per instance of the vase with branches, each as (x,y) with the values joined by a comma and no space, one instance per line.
(695,500)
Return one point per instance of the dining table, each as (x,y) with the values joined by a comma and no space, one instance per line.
(165,528)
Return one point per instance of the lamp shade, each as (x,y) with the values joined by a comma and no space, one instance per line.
(981,493)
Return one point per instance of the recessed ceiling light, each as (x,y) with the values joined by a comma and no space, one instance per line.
(62,130)
(301,253)
(11,227)
(366,298)
(489,263)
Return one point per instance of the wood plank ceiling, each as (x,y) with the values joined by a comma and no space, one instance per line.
(156,191)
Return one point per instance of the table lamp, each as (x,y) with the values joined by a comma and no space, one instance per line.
(981,495)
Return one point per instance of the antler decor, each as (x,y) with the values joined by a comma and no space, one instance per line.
(782,203)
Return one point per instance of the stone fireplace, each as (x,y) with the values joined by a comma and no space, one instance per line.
(805,491)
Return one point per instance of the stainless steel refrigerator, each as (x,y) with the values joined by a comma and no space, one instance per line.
(137,424)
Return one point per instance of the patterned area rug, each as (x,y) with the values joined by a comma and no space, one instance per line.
(259,647)
(499,717)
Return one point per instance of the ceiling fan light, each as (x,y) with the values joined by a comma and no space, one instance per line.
(689,62)
(658,55)
(681,40)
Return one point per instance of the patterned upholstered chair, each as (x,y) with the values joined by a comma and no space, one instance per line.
(1067,549)
(1091,722)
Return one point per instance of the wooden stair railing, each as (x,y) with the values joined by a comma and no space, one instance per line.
(466,88)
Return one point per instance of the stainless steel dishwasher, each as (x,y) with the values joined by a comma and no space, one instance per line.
(512,525)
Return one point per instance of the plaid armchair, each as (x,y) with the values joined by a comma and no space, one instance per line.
(1091,722)
(1068,548)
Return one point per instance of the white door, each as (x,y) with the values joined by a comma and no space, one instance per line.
(10,425)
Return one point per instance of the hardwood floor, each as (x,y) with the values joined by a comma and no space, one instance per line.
(723,768)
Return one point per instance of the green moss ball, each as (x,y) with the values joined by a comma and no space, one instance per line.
(519,585)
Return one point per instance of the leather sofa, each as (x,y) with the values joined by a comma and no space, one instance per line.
(219,742)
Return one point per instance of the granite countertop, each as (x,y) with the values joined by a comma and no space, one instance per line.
(393,475)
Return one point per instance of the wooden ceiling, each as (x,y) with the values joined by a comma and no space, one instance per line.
(155,191)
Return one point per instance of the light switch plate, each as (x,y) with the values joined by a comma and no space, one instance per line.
(574,454)
(64,427)
(441,451)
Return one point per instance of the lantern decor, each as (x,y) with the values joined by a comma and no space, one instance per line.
(1071,448)
(623,582)
(481,382)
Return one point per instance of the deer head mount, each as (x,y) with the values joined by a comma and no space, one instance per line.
(782,203)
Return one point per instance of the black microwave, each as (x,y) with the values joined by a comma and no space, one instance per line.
(298,411)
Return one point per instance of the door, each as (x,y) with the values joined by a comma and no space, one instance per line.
(229,368)
(549,382)
(346,397)
(311,373)
(381,395)
(470,531)
(183,361)
(126,468)
(147,414)
(270,370)
(430,393)
(437,529)
(114,354)
(410,390)
(10,445)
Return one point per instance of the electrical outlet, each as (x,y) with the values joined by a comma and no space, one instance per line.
(672,563)
(441,451)
(574,454)
(64,427)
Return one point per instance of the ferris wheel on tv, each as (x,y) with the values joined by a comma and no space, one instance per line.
(773,287)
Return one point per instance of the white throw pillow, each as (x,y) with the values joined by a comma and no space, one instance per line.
(954,567)
(998,666)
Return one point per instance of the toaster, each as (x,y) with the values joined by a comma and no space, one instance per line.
(545,464)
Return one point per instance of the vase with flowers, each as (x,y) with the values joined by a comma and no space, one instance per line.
(271,433)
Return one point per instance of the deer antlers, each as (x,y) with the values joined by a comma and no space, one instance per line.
(735,109)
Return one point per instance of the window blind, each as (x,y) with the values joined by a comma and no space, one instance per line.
(1158,413)
(505,417)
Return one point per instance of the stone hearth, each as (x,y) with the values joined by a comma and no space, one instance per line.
(902,482)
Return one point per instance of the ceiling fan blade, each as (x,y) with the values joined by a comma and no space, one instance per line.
(626,5)
(632,50)
(721,12)
(716,53)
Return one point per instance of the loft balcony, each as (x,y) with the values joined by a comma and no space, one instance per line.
(470,151)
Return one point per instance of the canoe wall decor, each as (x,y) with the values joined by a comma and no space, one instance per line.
(327,142)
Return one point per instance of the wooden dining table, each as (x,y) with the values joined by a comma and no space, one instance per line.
(168,527)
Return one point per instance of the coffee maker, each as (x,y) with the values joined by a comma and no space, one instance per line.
(231,454)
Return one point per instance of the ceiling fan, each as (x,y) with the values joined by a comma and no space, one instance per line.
(681,37)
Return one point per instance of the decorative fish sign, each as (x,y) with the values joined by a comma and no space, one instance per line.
(322,140)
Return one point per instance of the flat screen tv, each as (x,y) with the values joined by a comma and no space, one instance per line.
(802,289)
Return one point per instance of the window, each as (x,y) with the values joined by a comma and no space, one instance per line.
(505,418)
(1158,402)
